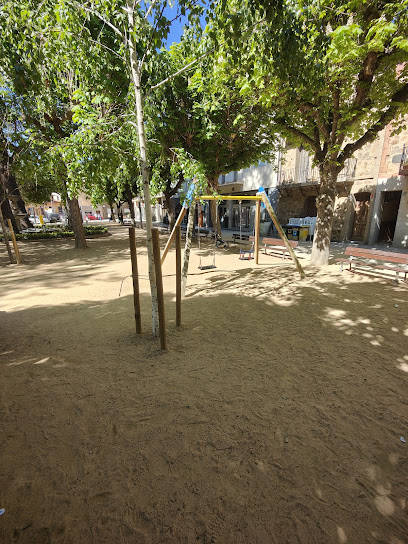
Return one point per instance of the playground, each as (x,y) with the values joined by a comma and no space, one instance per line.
(278,413)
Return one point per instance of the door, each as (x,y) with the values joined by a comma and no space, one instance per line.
(360,216)
(390,208)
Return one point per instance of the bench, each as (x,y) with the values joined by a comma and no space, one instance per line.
(277,247)
(361,257)
(241,237)
(203,231)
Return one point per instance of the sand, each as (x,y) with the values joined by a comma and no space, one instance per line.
(276,415)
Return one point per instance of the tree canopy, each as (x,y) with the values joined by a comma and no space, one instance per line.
(333,75)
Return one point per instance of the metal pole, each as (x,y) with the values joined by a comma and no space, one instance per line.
(136,291)
(257,228)
(178,276)
(159,287)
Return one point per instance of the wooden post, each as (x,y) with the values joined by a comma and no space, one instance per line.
(159,287)
(187,247)
(14,240)
(265,200)
(6,240)
(257,229)
(136,292)
(173,232)
(178,276)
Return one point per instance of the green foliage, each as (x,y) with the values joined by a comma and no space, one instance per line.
(205,114)
(52,233)
(331,73)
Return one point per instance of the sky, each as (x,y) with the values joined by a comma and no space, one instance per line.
(176,29)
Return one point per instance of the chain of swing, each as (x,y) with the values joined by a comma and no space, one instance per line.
(243,254)
(209,266)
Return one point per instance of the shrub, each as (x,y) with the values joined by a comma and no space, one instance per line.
(58,232)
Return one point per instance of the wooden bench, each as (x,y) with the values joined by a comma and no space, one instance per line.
(360,258)
(241,237)
(277,247)
(203,231)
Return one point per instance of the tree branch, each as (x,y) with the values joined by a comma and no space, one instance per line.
(198,59)
(108,23)
(56,123)
(365,78)
(298,134)
(150,9)
(387,116)
(44,130)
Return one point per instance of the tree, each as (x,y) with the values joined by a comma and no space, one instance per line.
(206,115)
(37,74)
(333,75)
(11,146)
(140,30)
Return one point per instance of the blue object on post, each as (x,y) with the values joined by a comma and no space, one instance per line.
(189,196)
(262,190)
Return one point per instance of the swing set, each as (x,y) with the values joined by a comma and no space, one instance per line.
(261,198)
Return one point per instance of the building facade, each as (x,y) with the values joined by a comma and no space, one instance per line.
(372,191)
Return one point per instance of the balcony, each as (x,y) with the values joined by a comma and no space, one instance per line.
(304,177)
(403,169)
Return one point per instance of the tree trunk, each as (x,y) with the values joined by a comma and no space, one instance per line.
(4,194)
(215,216)
(8,212)
(131,205)
(77,223)
(134,64)
(325,213)
(112,211)
(170,210)
(172,218)
(18,202)
(187,248)
(6,240)
(216,223)
(75,218)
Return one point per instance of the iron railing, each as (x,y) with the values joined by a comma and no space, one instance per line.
(311,174)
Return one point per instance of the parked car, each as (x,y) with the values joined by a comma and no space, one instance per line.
(35,220)
(54,217)
(91,217)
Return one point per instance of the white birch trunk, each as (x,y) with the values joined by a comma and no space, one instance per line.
(189,235)
(134,65)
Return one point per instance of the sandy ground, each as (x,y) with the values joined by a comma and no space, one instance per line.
(276,415)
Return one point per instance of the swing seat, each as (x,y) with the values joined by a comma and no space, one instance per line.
(207,267)
(246,255)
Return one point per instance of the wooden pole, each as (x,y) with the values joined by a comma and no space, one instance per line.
(6,240)
(14,240)
(159,287)
(136,291)
(173,233)
(187,248)
(257,229)
(178,276)
(265,200)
